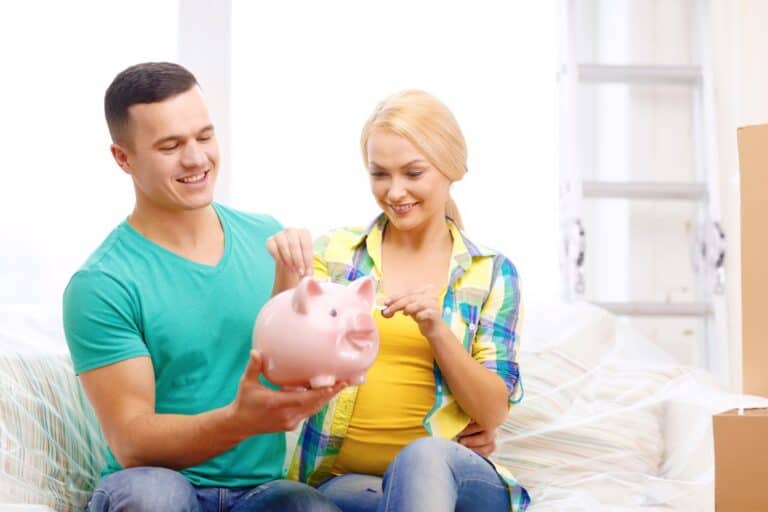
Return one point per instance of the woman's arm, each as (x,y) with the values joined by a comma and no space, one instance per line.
(480,393)
(483,381)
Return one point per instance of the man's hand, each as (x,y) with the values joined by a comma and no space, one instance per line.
(476,438)
(292,251)
(258,409)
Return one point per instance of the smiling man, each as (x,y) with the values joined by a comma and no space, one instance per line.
(159,320)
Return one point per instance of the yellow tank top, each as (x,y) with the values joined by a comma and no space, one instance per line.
(390,406)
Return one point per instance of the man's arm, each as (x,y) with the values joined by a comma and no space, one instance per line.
(123,396)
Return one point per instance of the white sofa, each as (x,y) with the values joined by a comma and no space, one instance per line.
(608,422)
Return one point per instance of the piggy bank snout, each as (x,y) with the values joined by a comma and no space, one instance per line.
(360,323)
(360,331)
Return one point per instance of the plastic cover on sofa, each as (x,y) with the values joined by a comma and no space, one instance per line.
(609,421)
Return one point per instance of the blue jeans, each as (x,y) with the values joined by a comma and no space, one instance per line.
(430,474)
(150,489)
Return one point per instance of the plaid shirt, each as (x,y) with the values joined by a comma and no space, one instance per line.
(480,307)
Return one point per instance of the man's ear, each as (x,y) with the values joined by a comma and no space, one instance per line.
(121,157)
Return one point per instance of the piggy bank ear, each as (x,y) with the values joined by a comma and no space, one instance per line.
(364,288)
(304,293)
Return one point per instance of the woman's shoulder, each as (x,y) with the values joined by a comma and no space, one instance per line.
(484,255)
(344,238)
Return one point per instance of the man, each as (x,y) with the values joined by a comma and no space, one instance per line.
(159,320)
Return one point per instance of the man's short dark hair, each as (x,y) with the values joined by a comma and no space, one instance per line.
(149,82)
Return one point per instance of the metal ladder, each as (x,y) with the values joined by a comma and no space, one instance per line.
(709,240)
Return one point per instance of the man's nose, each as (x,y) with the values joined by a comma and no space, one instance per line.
(193,155)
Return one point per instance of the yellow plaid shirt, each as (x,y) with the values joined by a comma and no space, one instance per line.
(481,308)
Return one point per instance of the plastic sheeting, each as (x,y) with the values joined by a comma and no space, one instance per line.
(609,421)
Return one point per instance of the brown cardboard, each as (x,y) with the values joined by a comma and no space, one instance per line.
(753,164)
(741,440)
(741,461)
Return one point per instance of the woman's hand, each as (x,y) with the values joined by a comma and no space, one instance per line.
(423,305)
(292,251)
(478,439)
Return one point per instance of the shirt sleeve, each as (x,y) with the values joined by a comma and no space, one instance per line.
(495,343)
(100,321)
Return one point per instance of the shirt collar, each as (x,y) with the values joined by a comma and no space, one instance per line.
(461,255)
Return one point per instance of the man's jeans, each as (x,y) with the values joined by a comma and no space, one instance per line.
(150,489)
(430,474)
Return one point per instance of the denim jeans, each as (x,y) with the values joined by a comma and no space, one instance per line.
(150,489)
(430,474)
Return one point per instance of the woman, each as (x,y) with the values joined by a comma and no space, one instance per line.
(447,363)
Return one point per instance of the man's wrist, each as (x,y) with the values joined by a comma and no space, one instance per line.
(232,424)
(284,279)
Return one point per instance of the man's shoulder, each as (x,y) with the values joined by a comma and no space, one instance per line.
(108,268)
(109,255)
(251,220)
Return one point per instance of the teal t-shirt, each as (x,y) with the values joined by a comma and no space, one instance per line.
(134,298)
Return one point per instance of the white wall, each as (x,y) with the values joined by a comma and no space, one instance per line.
(61,192)
(306,75)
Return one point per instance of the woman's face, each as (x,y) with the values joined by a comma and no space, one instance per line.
(409,190)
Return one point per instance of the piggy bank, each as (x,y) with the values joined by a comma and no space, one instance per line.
(317,334)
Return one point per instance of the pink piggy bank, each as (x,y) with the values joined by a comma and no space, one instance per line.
(317,334)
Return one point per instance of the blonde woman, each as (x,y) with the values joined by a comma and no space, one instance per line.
(446,373)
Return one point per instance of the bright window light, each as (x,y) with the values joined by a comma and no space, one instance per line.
(62,193)
(306,75)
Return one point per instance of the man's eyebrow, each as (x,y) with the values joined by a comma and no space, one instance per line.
(169,138)
(174,137)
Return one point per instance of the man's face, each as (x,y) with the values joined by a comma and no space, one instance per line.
(171,152)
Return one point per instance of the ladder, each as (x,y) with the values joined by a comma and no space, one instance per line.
(707,253)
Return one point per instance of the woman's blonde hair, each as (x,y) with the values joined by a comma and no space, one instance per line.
(427,124)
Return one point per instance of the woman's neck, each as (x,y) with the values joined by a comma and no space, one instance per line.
(432,235)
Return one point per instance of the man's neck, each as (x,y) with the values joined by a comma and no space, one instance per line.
(193,234)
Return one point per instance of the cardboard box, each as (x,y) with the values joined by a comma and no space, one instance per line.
(753,164)
(741,461)
(741,440)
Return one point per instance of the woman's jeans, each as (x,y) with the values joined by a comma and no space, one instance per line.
(150,489)
(430,474)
